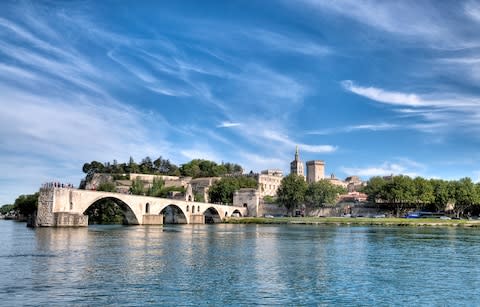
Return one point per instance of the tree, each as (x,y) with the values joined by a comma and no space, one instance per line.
(107,186)
(105,211)
(375,189)
(164,167)
(157,187)
(26,204)
(146,166)
(132,167)
(400,191)
(464,195)
(222,190)
(322,192)
(137,187)
(441,194)
(6,209)
(423,192)
(291,192)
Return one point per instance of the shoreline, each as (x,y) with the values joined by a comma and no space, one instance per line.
(359,221)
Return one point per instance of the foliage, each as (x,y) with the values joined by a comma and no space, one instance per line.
(166,191)
(322,192)
(204,168)
(441,193)
(269,199)
(199,197)
(137,187)
(222,190)
(26,204)
(291,192)
(160,166)
(106,187)
(375,189)
(157,187)
(419,193)
(465,195)
(105,212)
(6,209)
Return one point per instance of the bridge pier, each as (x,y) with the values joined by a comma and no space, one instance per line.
(153,219)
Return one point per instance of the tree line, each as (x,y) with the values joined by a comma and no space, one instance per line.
(160,166)
(294,191)
(24,205)
(403,192)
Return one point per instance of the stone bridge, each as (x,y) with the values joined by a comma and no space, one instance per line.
(67,207)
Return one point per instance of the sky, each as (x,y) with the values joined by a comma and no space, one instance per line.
(370,87)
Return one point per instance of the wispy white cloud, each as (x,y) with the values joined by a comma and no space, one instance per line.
(437,111)
(422,22)
(389,97)
(472,9)
(287,142)
(288,43)
(400,167)
(228,125)
(354,128)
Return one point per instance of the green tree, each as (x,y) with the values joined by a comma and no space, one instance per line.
(132,167)
(157,188)
(424,193)
(291,192)
(399,192)
(465,195)
(107,186)
(105,212)
(322,192)
(138,187)
(375,189)
(441,194)
(146,166)
(6,209)
(222,190)
(26,204)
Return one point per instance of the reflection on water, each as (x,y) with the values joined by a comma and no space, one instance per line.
(233,264)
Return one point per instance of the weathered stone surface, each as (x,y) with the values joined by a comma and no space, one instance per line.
(153,219)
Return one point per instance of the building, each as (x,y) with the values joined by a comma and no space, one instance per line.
(296,166)
(200,186)
(269,181)
(315,170)
(248,198)
(335,181)
(354,183)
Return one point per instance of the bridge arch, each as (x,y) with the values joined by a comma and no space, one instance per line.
(130,218)
(212,216)
(173,214)
(236,213)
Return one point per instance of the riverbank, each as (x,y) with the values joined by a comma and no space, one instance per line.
(354,221)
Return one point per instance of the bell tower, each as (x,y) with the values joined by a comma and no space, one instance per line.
(296,166)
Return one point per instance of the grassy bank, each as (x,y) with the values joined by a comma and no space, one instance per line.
(354,221)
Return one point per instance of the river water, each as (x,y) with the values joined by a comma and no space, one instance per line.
(239,265)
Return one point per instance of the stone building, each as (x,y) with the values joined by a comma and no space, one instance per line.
(268,181)
(248,198)
(296,166)
(354,183)
(315,170)
(335,181)
(200,186)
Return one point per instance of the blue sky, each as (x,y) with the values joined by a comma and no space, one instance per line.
(371,87)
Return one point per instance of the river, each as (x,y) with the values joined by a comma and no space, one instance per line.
(238,265)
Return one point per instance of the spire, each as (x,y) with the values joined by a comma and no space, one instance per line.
(296,154)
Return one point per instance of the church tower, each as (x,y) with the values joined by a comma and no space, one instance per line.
(296,166)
